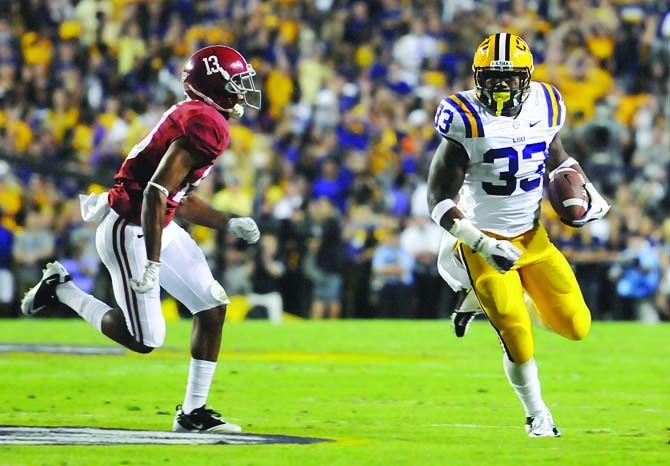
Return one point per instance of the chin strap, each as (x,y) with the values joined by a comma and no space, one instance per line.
(236,112)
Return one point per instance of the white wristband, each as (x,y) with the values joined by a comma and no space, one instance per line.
(159,187)
(440,209)
(569,162)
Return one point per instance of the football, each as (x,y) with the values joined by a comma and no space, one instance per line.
(568,195)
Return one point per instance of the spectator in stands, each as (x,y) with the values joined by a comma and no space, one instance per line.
(421,239)
(7,287)
(638,277)
(32,247)
(237,275)
(392,269)
(267,270)
(82,267)
(325,259)
(351,91)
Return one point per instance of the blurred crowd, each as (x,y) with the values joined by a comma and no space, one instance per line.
(334,165)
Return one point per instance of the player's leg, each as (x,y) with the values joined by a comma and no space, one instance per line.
(138,324)
(187,277)
(552,285)
(56,286)
(452,270)
(501,297)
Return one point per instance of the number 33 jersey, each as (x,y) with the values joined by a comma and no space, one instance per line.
(502,190)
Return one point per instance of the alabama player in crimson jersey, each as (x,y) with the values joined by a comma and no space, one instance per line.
(142,247)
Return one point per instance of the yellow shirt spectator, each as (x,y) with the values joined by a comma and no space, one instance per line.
(580,95)
(17,130)
(311,74)
(36,49)
(131,49)
(82,142)
(10,198)
(61,122)
(279,91)
(628,106)
(234,199)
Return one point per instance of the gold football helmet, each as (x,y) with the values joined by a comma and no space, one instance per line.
(503,66)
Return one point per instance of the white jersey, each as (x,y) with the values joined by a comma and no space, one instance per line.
(502,190)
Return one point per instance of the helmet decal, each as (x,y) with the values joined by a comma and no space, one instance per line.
(220,76)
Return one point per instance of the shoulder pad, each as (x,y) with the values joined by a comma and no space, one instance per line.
(555,105)
(458,119)
(206,134)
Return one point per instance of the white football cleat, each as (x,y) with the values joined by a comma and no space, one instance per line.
(43,294)
(542,426)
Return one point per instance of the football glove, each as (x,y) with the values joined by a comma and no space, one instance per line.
(245,228)
(149,278)
(501,254)
(598,207)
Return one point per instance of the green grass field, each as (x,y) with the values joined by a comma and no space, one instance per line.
(389,393)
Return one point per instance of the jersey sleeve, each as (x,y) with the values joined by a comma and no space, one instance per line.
(448,123)
(458,120)
(206,135)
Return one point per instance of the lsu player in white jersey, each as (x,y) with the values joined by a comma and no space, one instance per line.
(485,189)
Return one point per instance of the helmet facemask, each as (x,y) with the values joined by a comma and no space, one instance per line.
(243,84)
(502,91)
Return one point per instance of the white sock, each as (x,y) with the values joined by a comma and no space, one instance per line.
(90,308)
(525,381)
(200,374)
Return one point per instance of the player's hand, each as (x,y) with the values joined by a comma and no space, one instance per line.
(598,207)
(501,254)
(245,228)
(147,281)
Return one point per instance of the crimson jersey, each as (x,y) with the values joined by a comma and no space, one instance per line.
(207,132)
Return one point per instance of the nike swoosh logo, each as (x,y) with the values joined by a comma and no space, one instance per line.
(197,426)
(140,236)
(534,123)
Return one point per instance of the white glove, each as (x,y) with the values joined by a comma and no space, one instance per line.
(148,279)
(501,254)
(598,207)
(245,228)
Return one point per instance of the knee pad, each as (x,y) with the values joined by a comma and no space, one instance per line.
(518,342)
(218,293)
(581,325)
(154,336)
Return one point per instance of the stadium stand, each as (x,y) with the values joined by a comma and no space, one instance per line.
(334,165)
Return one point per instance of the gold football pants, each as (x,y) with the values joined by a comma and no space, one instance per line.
(544,273)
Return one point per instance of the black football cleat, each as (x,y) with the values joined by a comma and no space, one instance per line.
(43,295)
(466,309)
(462,322)
(202,420)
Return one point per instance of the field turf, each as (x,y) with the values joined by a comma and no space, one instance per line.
(388,393)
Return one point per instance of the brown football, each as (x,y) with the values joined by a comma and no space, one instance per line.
(568,195)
